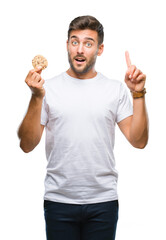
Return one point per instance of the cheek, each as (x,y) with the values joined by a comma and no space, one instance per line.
(92,54)
(72,51)
(89,53)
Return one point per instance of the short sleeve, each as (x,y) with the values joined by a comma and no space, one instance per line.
(125,108)
(44,113)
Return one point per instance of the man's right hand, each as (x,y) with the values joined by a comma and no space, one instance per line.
(35,82)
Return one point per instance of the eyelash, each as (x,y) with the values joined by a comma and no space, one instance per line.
(73,43)
(89,43)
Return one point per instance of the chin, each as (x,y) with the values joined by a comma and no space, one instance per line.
(81,70)
(78,70)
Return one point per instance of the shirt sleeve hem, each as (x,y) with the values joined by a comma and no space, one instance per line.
(43,122)
(122,117)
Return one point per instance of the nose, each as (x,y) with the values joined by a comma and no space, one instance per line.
(80,49)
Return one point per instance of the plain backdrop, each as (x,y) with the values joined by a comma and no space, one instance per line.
(36,27)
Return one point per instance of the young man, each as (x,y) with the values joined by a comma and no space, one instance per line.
(79,110)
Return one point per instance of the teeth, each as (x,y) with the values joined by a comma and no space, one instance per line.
(80,60)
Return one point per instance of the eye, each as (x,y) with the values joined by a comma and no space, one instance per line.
(88,44)
(74,43)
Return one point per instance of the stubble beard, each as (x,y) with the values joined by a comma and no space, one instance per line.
(89,65)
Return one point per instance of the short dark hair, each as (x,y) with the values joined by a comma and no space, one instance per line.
(87,22)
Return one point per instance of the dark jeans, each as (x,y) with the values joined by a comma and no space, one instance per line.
(95,221)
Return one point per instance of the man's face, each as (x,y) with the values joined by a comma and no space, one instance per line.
(83,50)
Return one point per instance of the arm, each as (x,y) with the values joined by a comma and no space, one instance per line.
(135,127)
(30,130)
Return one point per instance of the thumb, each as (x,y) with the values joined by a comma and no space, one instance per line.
(38,69)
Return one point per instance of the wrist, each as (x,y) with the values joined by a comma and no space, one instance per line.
(37,98)
(138,94)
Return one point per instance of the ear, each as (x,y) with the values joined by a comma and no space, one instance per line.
(67,42)
(101,49)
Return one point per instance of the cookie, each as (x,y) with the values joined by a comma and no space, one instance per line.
(39,60)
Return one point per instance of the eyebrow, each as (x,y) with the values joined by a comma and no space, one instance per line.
(87,38)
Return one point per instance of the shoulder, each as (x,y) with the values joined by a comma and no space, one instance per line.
(115,85)
(54,81)
(116,88)
(111,81)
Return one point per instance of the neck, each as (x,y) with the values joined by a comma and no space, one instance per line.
(90,74)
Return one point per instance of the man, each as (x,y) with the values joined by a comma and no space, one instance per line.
(79,110)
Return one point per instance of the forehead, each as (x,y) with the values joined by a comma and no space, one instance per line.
(84,34)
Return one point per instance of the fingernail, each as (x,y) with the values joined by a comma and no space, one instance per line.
(39,67)
(130,76)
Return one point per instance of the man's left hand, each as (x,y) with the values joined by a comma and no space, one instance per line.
(134,78)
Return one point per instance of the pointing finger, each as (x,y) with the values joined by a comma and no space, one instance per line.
(128,61)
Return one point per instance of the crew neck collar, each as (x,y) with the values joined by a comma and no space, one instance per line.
(81,81)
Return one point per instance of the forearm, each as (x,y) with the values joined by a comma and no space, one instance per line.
(30,129)
(139,124)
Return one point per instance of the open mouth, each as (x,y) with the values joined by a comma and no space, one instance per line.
(80,60)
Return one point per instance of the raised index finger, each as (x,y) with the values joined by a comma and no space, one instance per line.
(128,61)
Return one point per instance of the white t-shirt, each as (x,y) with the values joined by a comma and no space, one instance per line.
(79,117)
